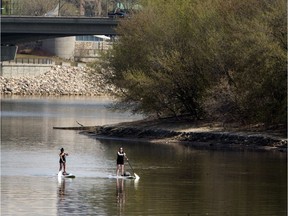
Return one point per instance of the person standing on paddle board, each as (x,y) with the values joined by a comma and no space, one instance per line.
(62,161)
(120,161)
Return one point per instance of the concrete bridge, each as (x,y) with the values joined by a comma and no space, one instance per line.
(19,29)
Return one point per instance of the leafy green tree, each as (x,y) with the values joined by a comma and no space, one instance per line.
(153,60)
(41,7)
(223,58)
(254,60)
(33,7)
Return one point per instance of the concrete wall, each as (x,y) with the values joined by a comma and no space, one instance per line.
(62,47)
(15,70)
(19,70)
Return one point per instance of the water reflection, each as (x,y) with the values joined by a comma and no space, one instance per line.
(66,198)
(61,189)
(120,194)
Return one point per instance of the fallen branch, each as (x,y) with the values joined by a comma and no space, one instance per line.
(80,124)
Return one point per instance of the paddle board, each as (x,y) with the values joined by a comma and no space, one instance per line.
(122,177)
(67,175)
(127,177)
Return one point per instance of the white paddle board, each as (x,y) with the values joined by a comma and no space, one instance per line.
(123,177)
(67,175)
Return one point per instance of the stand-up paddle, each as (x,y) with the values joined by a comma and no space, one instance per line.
(136,176)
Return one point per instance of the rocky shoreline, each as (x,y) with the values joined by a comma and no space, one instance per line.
(194,136)
(60,80)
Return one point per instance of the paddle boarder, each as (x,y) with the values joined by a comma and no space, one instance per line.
(120,161)
(62,161)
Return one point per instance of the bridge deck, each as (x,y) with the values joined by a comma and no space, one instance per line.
(15,29)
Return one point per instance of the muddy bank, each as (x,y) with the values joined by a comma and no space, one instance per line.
(198,136)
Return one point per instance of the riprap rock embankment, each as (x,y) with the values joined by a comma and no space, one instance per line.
(60,80)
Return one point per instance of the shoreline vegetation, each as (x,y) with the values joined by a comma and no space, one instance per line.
(201,135)
(209,60)
(207,135)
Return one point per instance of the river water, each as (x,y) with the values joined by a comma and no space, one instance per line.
(174,180)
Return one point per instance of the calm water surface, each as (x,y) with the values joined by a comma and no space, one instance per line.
(175,180)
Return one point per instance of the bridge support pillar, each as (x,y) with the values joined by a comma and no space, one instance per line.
(8,52)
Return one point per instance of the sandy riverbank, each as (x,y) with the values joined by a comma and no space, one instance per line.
(198,135)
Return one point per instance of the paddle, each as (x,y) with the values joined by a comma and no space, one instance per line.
(136,176)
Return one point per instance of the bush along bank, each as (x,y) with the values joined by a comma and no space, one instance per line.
(60,80)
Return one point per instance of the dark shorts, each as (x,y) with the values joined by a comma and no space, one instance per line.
(121,162)
(60,161)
